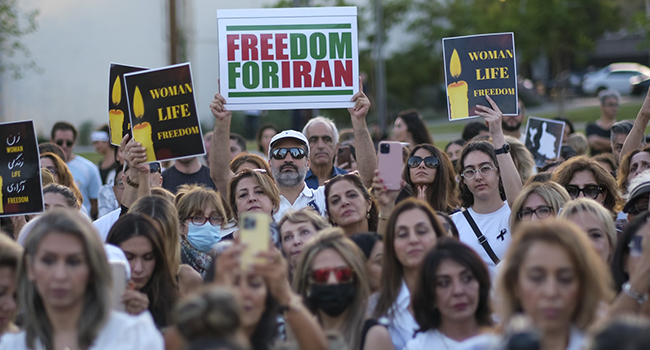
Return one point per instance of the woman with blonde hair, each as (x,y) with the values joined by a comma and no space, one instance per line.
(165,216)
(552,276)
(249,161)
(10,255)
(297,228)
(61,173)
(585,177)
(64,281)
(523,159)
(538,201)
(596,221)
(201,216)
(332,280)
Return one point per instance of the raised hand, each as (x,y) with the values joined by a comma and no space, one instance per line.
(275,274)
(134,154)
(218,108)
(361,104)
(493,116)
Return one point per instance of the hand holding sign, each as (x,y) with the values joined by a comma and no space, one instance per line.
(361,103)
(493,117)
(218,108)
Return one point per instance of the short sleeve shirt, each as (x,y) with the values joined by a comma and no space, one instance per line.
(172,178)
(594,129)
(86,176)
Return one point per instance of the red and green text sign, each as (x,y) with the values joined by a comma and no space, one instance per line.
(288,58)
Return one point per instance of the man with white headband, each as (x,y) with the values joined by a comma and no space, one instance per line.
(108,164)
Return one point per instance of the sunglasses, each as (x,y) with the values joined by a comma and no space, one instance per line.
(68,143)
(281,153)
(639,206)
(342,274)
(429,162)
(154,167)
(590,191)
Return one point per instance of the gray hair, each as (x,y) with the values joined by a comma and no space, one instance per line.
(621,128)
(327,121)
(605,94)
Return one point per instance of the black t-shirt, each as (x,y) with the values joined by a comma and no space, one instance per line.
(594,129)
(172,178)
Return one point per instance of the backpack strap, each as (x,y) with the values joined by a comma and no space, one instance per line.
(481,239)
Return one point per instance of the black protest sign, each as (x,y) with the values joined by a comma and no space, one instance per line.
(477,66)
(544,139)
(118,108)
(163,112)
(20,170)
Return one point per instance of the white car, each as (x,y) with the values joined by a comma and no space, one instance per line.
(616,77)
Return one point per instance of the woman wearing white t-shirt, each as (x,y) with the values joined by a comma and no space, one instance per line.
(488,177)
(64,281)
(451,301)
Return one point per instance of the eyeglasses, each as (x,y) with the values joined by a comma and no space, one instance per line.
(540,212)
(640,205)
(485,170)
(429,162)
(342,274)
(200,220)
(67,142)
(119,185)
(590,191)
(281,153)
(610,105)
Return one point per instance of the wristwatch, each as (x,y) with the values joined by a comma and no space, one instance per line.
(640,298)
(503,150)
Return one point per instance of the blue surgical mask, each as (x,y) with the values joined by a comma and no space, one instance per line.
(203,237)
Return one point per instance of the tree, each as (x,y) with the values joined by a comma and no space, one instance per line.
(15,24)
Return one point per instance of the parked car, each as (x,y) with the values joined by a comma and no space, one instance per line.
(640,84)
(616,76)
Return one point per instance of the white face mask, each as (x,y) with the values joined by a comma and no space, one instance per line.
(203,237)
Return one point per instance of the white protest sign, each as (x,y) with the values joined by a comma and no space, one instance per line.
(297,58)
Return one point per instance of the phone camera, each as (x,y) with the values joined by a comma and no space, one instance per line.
(249,223)
(384,148)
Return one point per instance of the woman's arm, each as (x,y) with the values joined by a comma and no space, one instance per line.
(378,338)
(385,200)
(135,155)
(220,146)
(509,175)
(635,138)
(366,155)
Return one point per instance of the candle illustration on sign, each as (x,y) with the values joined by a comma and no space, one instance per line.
(457,91)
(142,131)
(116,116)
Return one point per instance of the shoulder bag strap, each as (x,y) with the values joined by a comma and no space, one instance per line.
(481,239)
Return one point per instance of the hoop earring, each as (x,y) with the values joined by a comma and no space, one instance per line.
(368,215)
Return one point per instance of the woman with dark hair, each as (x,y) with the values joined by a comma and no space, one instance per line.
(349,204)
(451,302)
(331,278)
(585,177)
(489,184)
(412,231)
(410,128)
(64,281)
(10,255)
(154,288)
(372,247)
(631,165)
(453,150)
(631,268)
(568,129)
(431,175)
(263,137)
(447,224)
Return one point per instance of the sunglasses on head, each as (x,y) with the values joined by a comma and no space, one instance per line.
(590,191)
(154,167)
(281,153)
(342,275)
(429,162)
(67,142)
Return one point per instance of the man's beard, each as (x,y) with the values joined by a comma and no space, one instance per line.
(507,127)
(289,179)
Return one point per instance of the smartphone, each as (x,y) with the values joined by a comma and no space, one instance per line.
(118,269)
(390,164)
(344,157)
(255,232)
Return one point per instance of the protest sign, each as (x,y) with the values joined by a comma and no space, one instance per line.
(298,58)
(544,139)
(477,66)
(117,107)
(163,112)
(21,190)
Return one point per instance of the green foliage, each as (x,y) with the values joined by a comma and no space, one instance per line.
(85,129)
(14,24)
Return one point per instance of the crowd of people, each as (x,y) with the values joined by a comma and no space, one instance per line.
(478,248)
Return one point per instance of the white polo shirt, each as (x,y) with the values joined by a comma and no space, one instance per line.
(308,197)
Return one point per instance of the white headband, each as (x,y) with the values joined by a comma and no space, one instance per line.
(99,136)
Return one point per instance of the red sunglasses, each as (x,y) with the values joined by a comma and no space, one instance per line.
(342,274)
